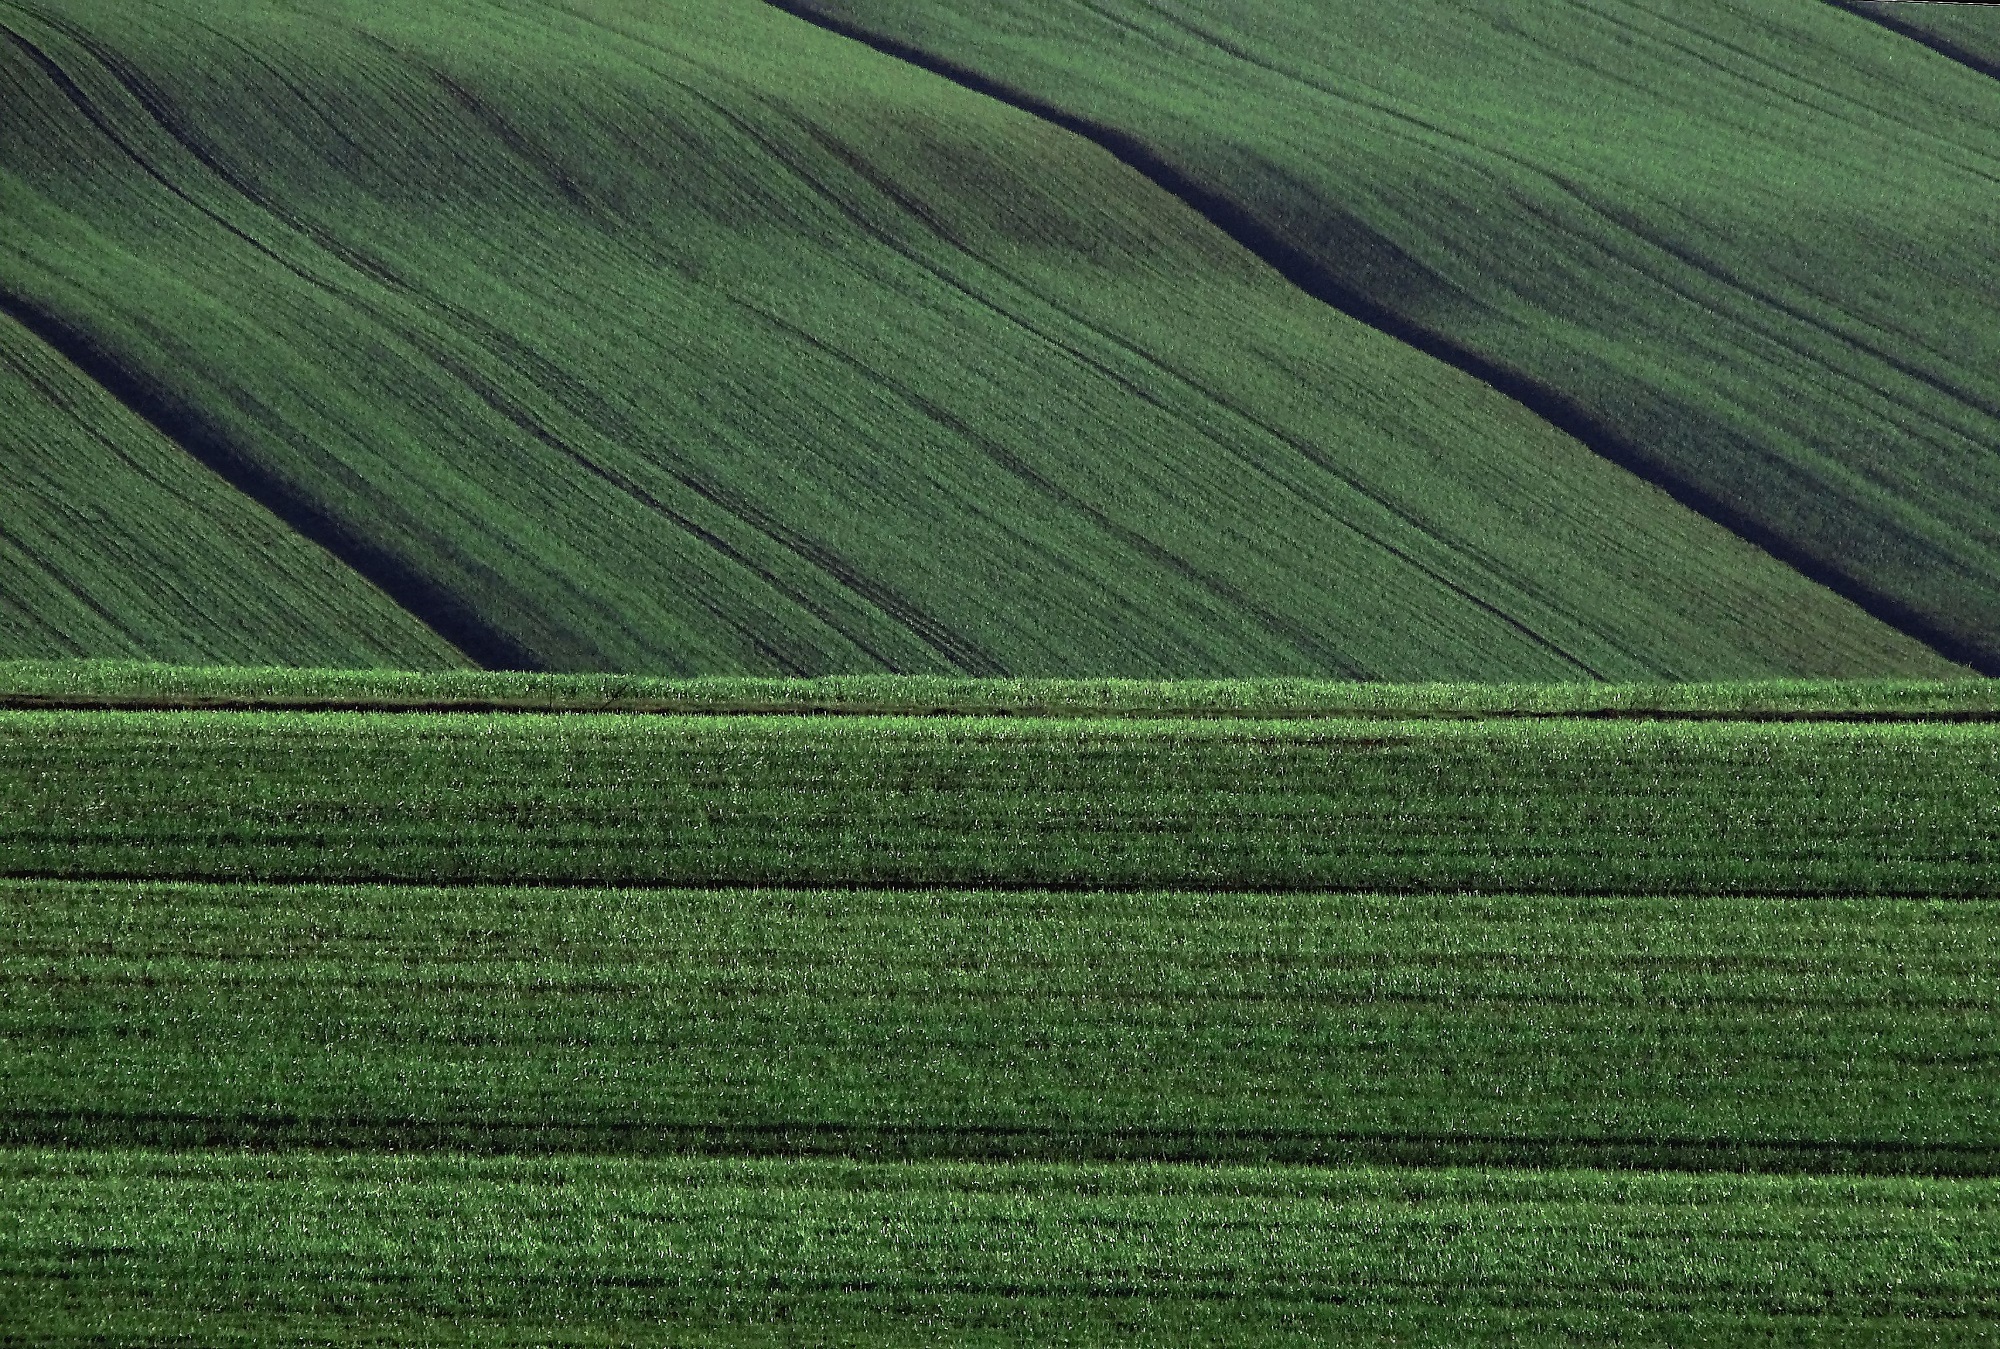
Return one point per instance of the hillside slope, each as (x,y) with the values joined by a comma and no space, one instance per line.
(1743,245)
(686,337)
(113,542)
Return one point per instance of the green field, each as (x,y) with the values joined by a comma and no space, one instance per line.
(1009,1012)
(378,1249)
(142,686)
(1707,1034)
(999,672)
(1744,246)
(114,543)
(1595,806)
(1967,33)
(688,338)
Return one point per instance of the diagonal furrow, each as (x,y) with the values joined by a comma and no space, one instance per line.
(1316,279)
(436,606)
(1877,12)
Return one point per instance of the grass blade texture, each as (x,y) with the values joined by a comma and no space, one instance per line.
(1743,245)
(687,337)
(1591,806)
(142,686)
(1967,33)
(1013,1013)
(604,1250)
(1705,1034)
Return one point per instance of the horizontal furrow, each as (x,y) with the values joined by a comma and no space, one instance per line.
(1703,1035)
(1562,805)
(765,1253)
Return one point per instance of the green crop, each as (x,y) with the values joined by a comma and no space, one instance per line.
(133,1246)
(139,686)
(1808,1036)
(1744,246)
(686,338)
(1966,33)
(1556,804)
(114,543)
(1611,1015)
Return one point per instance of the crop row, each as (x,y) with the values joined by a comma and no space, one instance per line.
(1560,806)
(686,337)
(344,1250)
(140,686)
(1701,1034)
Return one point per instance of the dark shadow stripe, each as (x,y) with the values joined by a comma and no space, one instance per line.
(1885,15)
(1314,278)
(431,603)
(87,1128)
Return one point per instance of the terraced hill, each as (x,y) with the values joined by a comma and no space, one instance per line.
(688,337)
(1742,245)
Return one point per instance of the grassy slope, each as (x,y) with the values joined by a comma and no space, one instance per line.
(595,1251)
(1706,1034)
(113,541)
(1750,239)
(1581,806)
(693,339)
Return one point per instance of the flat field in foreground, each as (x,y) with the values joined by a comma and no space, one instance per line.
(123,1246)
(1099,1013)
(1561,804)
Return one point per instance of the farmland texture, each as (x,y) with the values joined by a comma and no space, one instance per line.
(120,685)
(690,338)
(1695,1034)
(1025,1012)
(1099,1013)
(1569,805)
(114,542)
(1969,34)
(1744,246)
(594,1250)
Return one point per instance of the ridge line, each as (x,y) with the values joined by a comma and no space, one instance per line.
(1316,280)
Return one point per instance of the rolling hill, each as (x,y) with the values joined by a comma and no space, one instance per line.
(1743,246)
(688,337)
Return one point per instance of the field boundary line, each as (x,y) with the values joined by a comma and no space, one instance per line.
(37,702)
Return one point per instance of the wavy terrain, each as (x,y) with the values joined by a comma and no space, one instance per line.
(1742,246)
(690,338)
